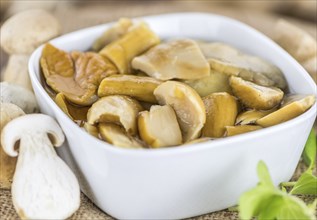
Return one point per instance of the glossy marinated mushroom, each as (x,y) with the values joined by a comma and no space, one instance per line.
(138,87)
(159,127)
(8,112)
(77,75)
(226,59)
(251,116)
(15,94)
(118,109)
(178,59)
(25,31)
(113,33)
(292,106)
(121,52)
(117,136)
(91,129)
(215,82)
(41,178)
(17,71)
(72,111)
(187,104)
(240,129)
(255,96)
(221,111)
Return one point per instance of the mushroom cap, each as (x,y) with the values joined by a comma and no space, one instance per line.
(18,95)
(25,31)
(28,125)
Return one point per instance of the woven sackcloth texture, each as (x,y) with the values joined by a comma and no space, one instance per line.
(88,210)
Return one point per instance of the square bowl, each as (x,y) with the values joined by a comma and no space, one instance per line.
(181,182)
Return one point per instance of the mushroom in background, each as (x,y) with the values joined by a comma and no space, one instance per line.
(299,44)
(20,36)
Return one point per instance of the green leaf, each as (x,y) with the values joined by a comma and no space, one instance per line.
(306,185)
(267,202)
(313,206)
(310,150)
(264,175)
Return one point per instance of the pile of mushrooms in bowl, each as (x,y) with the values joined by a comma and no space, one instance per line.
(155,84)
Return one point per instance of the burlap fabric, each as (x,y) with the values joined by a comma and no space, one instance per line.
(88,210)
(112,10)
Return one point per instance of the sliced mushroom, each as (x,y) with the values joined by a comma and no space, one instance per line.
(138,87)
(77,75)
(41,178)
(121,52)
(159,127)
(118,30)
(179,59)
(215,82)
(292,106)
(221,111)
(116,135)
(188,106)
(226,59)
(25,31)
(118,109)
(62,104)
(92,129)
(8,112)
(240,129)
(251,116)
(255,96)
(17,71)
(15,94)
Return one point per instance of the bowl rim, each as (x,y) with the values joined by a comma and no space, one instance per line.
(196,147)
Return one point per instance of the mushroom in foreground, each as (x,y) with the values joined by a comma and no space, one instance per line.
(255,96)
(22,97)
(43,185)
(138,87)
(117,136)
(179,59)
(117,109)
(292,106)
(221,111)
(187,104)
(159,127)
(8,112)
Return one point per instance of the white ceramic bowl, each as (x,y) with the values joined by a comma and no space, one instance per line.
(185,181)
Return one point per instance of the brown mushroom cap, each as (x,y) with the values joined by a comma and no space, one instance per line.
(25,31)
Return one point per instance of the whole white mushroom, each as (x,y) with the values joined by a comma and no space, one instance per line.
(25,31)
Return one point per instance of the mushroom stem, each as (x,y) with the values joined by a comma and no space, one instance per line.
(43,186)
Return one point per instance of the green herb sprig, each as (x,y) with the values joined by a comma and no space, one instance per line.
(266,201)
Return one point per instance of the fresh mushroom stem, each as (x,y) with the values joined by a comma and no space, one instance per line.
(43,186)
